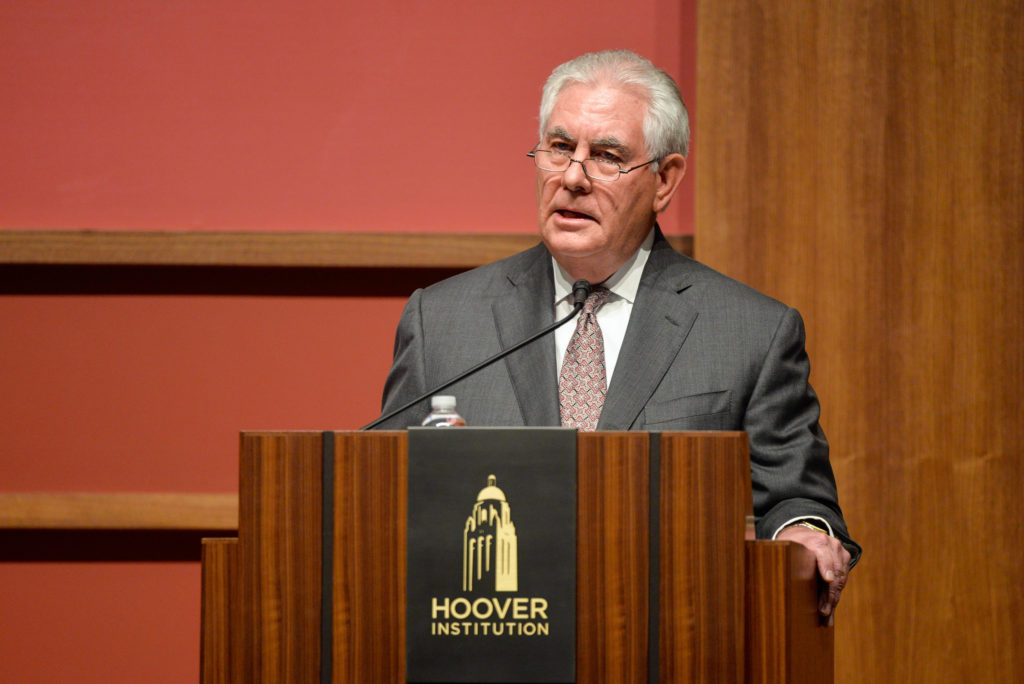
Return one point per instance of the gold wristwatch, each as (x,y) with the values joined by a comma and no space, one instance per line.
(811,526)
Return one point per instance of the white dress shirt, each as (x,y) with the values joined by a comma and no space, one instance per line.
(613,316)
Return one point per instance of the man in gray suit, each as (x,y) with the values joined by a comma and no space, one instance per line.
(684,347)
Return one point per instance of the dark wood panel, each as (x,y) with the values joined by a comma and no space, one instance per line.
(612,593)
(279,545)
(220,586)
(705,498)
(371,484)
(785,638)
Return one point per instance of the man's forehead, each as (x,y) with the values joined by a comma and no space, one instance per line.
(610,97)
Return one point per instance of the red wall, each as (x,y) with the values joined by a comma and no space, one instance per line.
(401,116)
(387,116)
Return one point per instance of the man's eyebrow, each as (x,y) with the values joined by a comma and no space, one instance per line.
(612,143)
(559,132)
(607,143)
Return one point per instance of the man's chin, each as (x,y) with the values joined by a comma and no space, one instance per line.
(571,244)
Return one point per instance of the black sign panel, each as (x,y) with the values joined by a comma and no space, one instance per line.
(491,590)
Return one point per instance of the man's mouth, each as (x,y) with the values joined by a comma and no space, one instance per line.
(566,213)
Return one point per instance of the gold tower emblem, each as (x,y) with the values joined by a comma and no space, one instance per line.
(489,544)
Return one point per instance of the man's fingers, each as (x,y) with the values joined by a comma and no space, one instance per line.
(833,563)
(829,597)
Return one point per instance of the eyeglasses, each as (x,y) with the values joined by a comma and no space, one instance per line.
(596,168)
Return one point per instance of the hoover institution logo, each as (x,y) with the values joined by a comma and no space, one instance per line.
(490,555)
(490,563)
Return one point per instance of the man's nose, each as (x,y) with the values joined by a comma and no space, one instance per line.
(575,178)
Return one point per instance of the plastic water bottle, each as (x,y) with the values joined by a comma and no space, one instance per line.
(443,413)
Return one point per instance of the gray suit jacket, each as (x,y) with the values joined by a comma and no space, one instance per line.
(701,352)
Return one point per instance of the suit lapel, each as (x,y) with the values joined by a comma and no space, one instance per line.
(522,311)
(658,326)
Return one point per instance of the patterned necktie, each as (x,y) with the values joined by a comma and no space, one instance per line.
(582,384)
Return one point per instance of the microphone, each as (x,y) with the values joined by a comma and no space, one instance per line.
(580,292)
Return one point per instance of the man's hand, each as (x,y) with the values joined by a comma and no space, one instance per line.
(833,564)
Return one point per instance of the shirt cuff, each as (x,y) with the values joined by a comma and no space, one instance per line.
(804,517)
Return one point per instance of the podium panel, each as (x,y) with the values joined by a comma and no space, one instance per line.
(314,588)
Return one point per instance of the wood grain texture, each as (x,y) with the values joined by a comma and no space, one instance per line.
(705,498)
(612,546)
(220,586)
(278,249)
(370,512)
(279,550)
(785,640)
(864,162)
(119,511)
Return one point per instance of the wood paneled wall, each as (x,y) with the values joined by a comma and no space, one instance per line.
(864,162)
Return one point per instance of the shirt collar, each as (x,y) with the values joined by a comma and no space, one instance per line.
(624,283)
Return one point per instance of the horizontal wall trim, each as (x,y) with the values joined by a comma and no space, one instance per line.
(73,262)
(193,248)
(265,249)
(118,511)
(105,527)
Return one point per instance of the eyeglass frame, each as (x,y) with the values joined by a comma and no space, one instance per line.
(532,153)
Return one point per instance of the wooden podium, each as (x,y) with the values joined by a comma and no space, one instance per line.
(725,609)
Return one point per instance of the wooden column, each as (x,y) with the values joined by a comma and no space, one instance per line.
(864,162)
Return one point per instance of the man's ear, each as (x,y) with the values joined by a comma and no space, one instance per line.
(670,174)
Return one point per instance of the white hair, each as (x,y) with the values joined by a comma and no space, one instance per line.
(666,123)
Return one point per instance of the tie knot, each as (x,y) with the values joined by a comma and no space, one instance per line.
(595,299)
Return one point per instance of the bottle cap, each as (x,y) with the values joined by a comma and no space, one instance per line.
(442,402)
